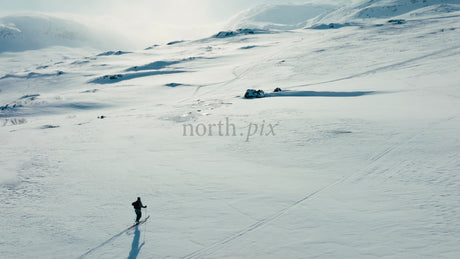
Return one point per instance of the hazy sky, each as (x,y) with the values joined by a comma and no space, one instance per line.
(214,9)
(146,20)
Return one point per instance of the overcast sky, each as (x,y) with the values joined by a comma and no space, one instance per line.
(146,20)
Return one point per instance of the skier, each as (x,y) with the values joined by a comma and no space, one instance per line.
(137,208)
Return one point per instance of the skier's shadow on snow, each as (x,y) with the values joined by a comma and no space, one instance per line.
(290,93)
(135,247)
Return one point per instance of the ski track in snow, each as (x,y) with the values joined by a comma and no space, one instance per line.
(209,250)
(215,247)
(379,69)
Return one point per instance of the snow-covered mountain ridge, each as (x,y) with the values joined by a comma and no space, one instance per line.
(28,32)
(37,31)
(282,17)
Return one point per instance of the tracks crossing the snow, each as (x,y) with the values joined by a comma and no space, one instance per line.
(218,245)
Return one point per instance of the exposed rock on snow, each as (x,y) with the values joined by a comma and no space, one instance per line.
(252,93)
(49,126)
(113,53)
(226,34)
(330,26)
(175,42)
(397,21)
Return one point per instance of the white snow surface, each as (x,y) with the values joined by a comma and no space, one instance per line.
(357,157)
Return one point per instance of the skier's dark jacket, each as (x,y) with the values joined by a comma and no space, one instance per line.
(138,205)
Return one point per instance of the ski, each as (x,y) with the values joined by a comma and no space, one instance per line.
(140,222)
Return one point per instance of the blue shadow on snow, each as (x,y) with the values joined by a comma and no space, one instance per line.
(288,93)
(135,247)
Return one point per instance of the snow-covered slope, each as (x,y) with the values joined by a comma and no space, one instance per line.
(391,8)
(279,16)
(314,14)
(386,9)
(357,156)
(28,32)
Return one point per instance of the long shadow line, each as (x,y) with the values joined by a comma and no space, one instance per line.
(104,243)
(135,247)
(290,93)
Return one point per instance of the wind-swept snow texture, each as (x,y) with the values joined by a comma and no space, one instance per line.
(356,157)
